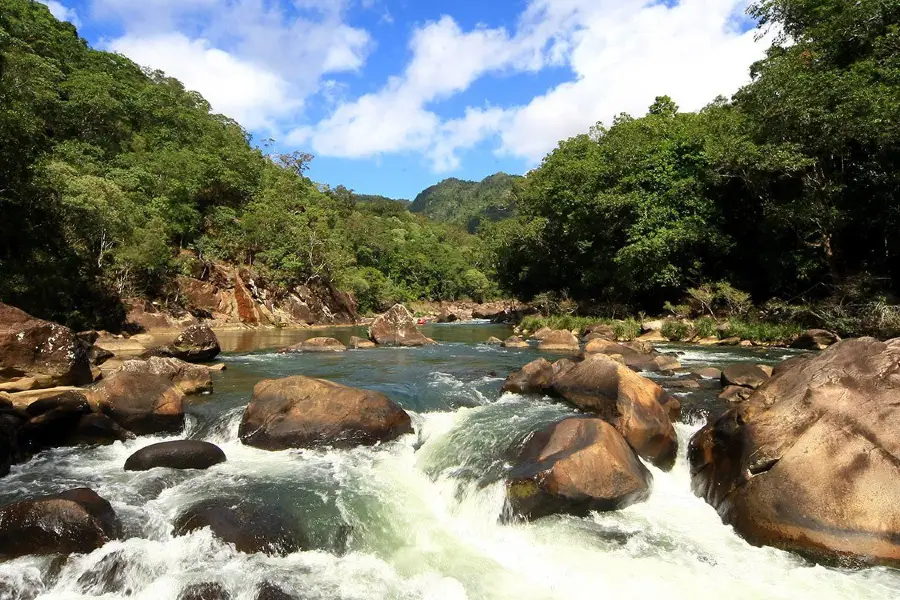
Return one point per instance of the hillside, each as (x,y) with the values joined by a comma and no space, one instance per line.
(468,203)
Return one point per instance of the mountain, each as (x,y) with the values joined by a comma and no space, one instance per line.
(468,203)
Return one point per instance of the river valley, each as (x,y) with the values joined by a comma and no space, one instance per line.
(417,518)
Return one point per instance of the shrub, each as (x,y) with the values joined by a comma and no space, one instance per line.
(677,331)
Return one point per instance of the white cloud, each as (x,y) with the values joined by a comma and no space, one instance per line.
(247,92)
(622,54)
(62,12)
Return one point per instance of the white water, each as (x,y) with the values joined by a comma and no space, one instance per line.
(424,525)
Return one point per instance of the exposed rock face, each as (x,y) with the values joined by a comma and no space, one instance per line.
(300,412)
(187,377)
(397,327)
(637,407)
(815,339)
(251,528)
(180,454)
(811,462)
(74,521)
(140,402)
(559,341)
(576,466)
(197,343)
(745,375)
(515,342)
(46,352)
(319,344)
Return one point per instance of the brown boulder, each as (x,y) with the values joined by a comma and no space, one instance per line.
(708,373)
(576,466)
(515,342)
(747,375)
(815,339)
(187,377)
(49,353)
(600,330)
(319,344)
(494,341)
(300,412)
(735,393)
(559,341)
(96,430)
(77,521)
(178,454)
(197,343)
(811,462)
(397,327)
(534,378)
(140,402)
(208,590)
(541,333)
(605,346)
(358,343)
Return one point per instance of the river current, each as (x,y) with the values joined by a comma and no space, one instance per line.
(417,518)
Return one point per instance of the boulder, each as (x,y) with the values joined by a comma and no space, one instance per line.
(76,521)
(653,336)
(637,407)
(541,333)
(70,400)
(559,341)
(600,330)
(50,354)
(641,346)
(358,343)
(197,343)
(493,341)
(576,466)
(301,412)
(735,393)
(815,339)
(809,462)
(10,449)
(140,402)
(745,375)
(250,527)
(708,373)
(98,356)
(187,377)
(208,590)
(605,346)
(270,591)
(180,454)
(515,342)
(52,428)
(397,327)
(731,341)
(654,325)
(319,344)
(96,430)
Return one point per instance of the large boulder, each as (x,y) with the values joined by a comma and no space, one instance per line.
(179,454)
(187,377)
(358,343)
(301,412)
(515,342)
(576,466)
(48,353)
(747,375)
(811,461)
(52,421)
(96,430)
(77,521)
(250,527)
(140,402)
(197,343)
(319,344)
(559,341)
(638,408)
(815,339)
(397,327)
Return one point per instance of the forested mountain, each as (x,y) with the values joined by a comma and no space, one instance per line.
(791,190)
(468,203)
(107,171)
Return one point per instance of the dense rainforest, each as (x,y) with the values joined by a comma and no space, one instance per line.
(469,204)
(108,172)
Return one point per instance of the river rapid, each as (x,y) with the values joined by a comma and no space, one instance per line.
(417,518)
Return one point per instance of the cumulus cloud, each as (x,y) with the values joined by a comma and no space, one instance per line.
(62,12)
(622,54)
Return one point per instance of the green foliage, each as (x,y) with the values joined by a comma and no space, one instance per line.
(677,331)
(626,330)
(468,204)
(761,331)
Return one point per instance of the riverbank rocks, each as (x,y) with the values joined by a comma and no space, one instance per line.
(301,412)
(189,378)
(140,402)
(179,454)
(397,327)
(515,342)
(197,344)
(249,527)
(637,355)
(559,341)
(76,521)
(47,353)
(576,466)
(638,408)
(745,375)
(811,461)
(815,339)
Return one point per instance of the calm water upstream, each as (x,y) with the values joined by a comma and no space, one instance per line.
(416,518)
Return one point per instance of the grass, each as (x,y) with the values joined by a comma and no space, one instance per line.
(761,331)
(625,330)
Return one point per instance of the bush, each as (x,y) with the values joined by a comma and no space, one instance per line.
(677,331)
(761,331)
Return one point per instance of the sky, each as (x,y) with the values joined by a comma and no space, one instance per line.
(392,96)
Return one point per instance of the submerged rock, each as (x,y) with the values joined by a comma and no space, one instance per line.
(197,343)
(75,521)
(319,344)
(397,327)
(189,378)
(140,402)
(301,412)
(809,462)
(576,466)
(180,454)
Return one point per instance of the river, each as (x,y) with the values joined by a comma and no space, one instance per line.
(418,517)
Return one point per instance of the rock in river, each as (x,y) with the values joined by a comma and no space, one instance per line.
(811,461)
(559,341)
(576,466)
(179,454)
(74,521)
(319,344)
(397,327)
(197,343)
(189,378)
(301,412)
(745,375)
(140,402)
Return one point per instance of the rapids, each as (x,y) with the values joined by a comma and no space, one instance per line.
(415,518)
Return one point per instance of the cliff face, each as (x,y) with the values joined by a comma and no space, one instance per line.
(225,295)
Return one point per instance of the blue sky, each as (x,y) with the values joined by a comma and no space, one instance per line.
(394,95)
